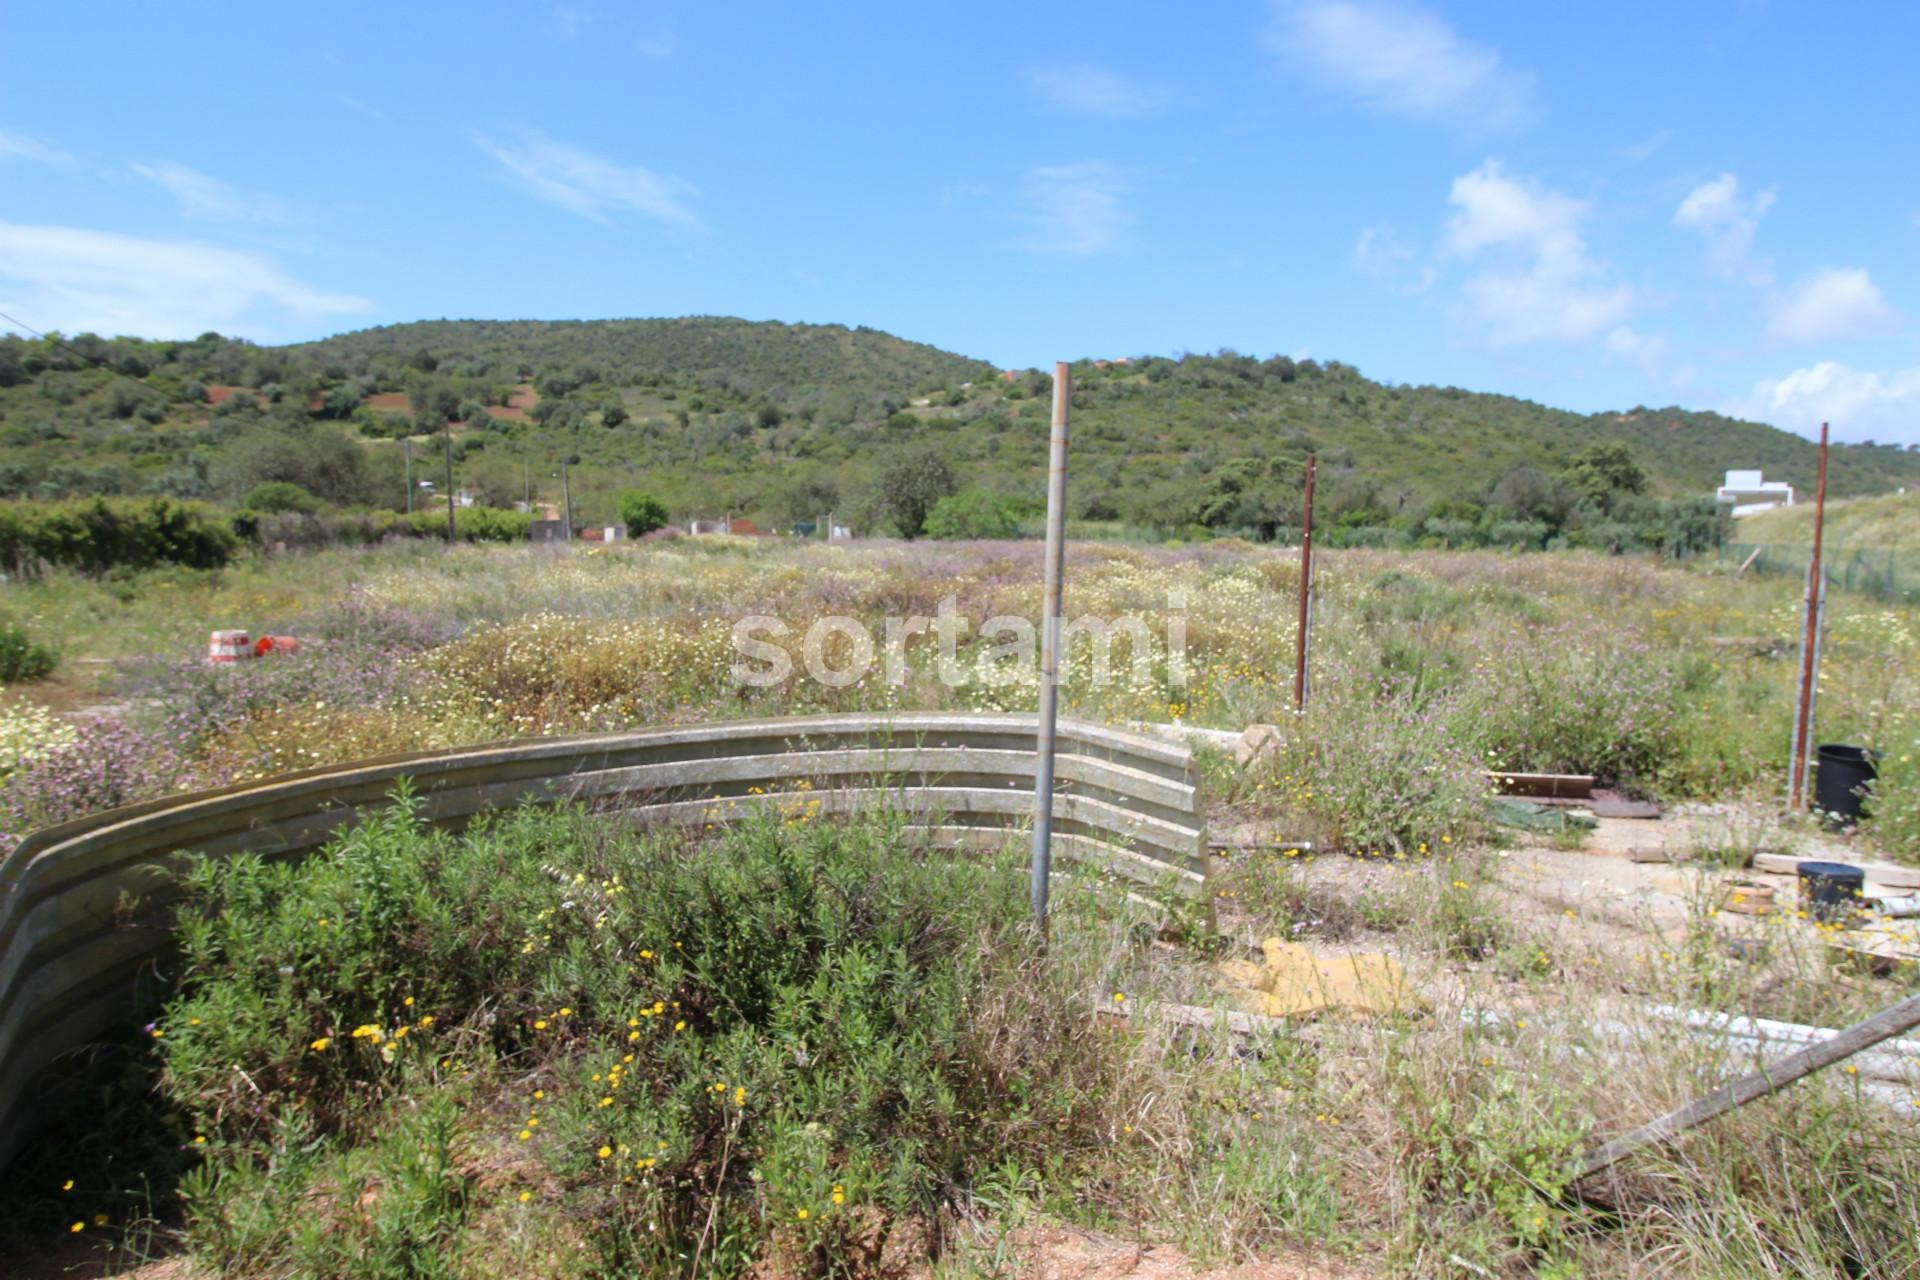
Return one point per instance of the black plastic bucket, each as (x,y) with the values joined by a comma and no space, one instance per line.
(1839,777)
(1830,890)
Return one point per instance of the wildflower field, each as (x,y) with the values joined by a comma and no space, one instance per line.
(550,1046)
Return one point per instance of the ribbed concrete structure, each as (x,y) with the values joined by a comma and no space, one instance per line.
(86,907)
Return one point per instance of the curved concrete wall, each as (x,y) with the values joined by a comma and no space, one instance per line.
(85,907)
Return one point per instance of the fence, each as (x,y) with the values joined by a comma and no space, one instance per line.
(1883,573)
(86,907)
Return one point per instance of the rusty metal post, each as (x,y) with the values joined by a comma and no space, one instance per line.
(447,433)
(1306,594)
(1050,632)
(1810,642)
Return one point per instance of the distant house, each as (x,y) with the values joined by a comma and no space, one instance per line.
(1749,493)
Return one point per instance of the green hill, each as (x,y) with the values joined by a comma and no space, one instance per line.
(785,421)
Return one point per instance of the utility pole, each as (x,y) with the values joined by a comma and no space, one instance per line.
(1050,629)
(1810,643)
(406,443)
(1306,597)
(446,432)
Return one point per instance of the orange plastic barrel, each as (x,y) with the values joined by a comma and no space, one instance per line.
(229,646)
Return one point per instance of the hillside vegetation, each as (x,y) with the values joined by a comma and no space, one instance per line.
(786,422)
(1887,522)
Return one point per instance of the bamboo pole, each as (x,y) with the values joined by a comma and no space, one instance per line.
(1306,594)
(1050,628)
(1809,643)
(1884,1025)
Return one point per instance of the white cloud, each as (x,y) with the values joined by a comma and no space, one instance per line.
(661,44)
(1403,62)
(1645,149)
(1728,222)
(1833,302)
(204,197)
(75,279)
(591,185)
(1092,91)
(1384,254)
(1074,209)
(24,146)
(1861,404)
(1541,285)
(1649,353)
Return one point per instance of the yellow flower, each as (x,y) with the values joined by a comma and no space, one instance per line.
(525,1134)
(525,1196)
(200,1140)
(680,1025)
(565,1012)
(604,1151)
(67,1185)
(1119,997)
(408,1002)
(78,1227)
(739,1097)
(320,1045)
(539,1024)
(801,1214)
(367,1031)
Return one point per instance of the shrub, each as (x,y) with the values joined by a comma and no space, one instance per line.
(282,496)
(973,514)
(21,658)
(1375,771)
(471,524)
(774,1033)
(641,512)
(95,536)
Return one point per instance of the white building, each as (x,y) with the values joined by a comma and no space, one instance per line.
(1749,493)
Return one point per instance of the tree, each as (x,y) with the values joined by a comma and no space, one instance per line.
(613,415)
(970,515)
(641,512)
(911,485)
(1603,470)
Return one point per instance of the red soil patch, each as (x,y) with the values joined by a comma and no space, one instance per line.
(217,396)
(390,402)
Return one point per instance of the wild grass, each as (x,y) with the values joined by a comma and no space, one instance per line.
(1654,678)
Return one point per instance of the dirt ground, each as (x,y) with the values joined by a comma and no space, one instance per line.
(1061,1253)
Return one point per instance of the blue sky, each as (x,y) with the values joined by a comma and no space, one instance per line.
(1709,204)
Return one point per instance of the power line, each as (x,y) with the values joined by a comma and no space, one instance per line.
(21,324)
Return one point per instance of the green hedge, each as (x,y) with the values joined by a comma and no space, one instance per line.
(471,524)
(99,534)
